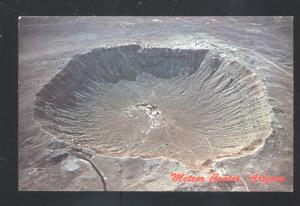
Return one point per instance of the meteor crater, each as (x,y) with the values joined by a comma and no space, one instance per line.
(191,105)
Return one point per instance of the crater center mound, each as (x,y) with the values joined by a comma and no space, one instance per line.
(193,106)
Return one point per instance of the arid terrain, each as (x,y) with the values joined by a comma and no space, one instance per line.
(120,103)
